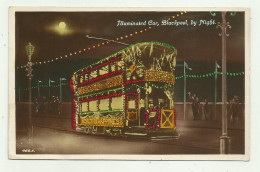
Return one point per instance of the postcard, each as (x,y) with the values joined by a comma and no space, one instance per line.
(129,83)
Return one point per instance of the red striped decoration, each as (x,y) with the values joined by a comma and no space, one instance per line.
(73,115)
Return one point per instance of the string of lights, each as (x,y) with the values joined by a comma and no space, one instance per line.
(136,101)
(210,74)
(100,44)
(42,86)
(158,119)
(133,81)
(138,86)
(159,87)
(74,108)
(150,83)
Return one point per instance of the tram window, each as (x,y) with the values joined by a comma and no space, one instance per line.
(86,77)
(152,118)
(93,74)
(84,106)
(120,64)
(131,102)
(81,79)
(151,103)
(117,103)
(103,70)
(104,104)
(113,67)
(152,114)
(161,103)
(93,105)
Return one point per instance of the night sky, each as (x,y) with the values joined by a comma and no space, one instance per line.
(199,46)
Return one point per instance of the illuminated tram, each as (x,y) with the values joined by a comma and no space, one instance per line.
(127,93)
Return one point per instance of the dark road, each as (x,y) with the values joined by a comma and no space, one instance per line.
(49,141)
(53,135)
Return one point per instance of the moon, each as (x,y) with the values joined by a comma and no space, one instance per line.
(62,25)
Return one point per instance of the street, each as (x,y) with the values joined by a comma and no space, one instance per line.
(53,135)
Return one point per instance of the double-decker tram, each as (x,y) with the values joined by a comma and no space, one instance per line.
(127,93)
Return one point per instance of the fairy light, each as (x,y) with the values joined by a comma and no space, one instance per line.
(111,111)
(138,86)
(159,76)
(158,118)
(149,83)
(146,118)
(86,113)
(136,101)
(122,37)
(209,75)
(133,81)
(73,116)
(111,122)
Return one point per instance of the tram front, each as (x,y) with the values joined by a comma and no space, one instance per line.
(149,86)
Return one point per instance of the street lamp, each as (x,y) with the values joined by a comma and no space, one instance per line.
(224,139)
(29,50)
(185,65)
(216,88)
(61,79)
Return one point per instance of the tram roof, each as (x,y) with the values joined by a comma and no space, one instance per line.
(118,52)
